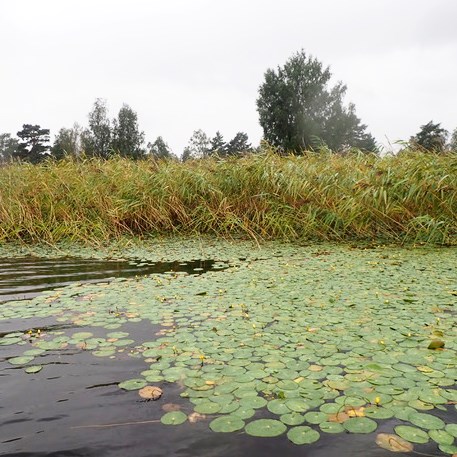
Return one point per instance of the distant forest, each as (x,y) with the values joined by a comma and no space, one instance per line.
(298,111)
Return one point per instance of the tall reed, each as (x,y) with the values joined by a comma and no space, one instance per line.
(410,197)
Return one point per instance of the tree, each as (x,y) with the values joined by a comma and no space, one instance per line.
(67,142)
(8,147)
(127,138)
(32,147)
(198,147)
(297,108)
(96,140)
(159,149)
(217,145)
(453,141)
(430,137)
(238,144)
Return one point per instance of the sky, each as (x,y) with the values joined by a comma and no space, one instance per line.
(184,65)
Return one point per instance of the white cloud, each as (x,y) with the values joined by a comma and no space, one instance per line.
(187,65)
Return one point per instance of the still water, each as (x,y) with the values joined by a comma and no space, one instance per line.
(74,407)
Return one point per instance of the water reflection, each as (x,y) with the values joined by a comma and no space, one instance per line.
(26,277)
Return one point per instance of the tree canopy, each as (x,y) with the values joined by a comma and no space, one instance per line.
(431,137)
(298,109)
(127,140)
(160,149)
(33,145)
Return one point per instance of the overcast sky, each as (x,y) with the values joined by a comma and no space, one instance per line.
(184,65)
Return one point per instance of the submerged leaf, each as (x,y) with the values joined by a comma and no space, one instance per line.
(393,443)
(150,392)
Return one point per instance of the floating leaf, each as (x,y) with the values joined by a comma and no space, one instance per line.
(33,369)
(195,417)
(316,417)
(208,407)
(360,425)
(20,360)
(427,421)
(393,443)
(150,392)
(253,402)
(292,419)
(331,427)
(132,384)
(265,428)
(451,429)
(441,437)
(436,344)
(448,449)
(226,424)
(412,434)
(173,418)
(167,407)
(303,435)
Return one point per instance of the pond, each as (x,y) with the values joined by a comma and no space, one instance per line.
(300,350)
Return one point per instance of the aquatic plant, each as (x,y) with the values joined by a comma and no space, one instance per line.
(411,197)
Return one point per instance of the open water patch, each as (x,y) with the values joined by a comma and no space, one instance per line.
(26,277)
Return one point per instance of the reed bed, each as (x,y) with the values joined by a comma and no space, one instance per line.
(411,197)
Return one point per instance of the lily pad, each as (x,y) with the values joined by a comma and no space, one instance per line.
(393,443)
(24,360)
(427,421)
(150,392)
(360,425)
(303,435)
(208,407)
(265,428)
(33,369)
(292,419)
(331,427)
(132,384)
(441,437)
(412,434)
(226,424)
(173,418)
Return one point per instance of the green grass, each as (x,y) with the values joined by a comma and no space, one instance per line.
(407,198)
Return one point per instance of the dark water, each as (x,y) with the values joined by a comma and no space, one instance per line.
(64,409)
(58,413)
(26,277)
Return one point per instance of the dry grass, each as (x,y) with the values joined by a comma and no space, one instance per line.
(411,197)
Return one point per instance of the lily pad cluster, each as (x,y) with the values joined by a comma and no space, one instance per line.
(301,342)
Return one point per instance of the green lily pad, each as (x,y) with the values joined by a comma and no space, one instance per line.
(448,449)
(292,419)
(360,425)
(173,418)
(33,369)
(278,407)
(441,437)
(303,435)
(427,421)
(20,360)
(244,413)
(331,427)
(133,384)
(208,407)
(226,424)
(451,429)
(265,428)
(253,402)
(412,434)
(316,417)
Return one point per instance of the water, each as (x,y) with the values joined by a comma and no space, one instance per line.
(74,407)
(26,277)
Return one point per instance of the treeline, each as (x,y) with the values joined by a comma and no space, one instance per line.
(105,138)
(298,111)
